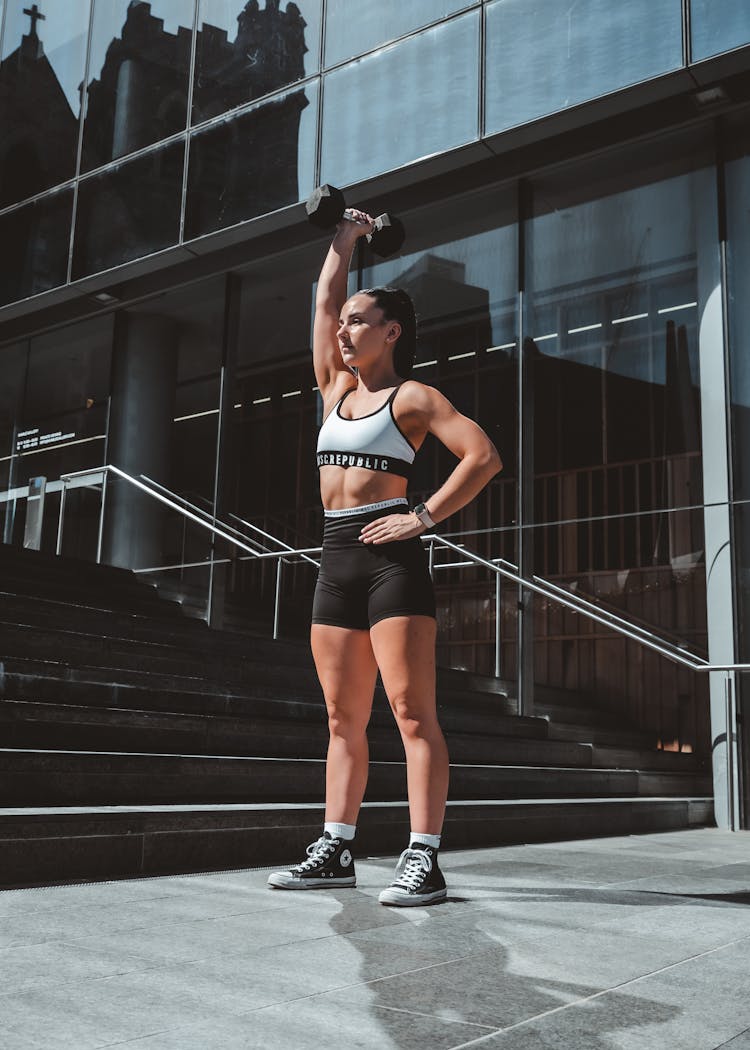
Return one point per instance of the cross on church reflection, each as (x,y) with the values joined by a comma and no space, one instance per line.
(35,15)
(40,129)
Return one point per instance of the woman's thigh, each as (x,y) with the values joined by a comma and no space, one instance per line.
(346,668)
(404,648)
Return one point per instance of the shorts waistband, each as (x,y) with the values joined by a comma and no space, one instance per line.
(366,508)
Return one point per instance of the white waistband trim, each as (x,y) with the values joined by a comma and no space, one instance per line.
(350,512)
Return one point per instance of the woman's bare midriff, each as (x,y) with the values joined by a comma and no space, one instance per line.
(345,487)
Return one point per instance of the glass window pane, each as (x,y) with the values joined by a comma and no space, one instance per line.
(13,363)
(129,211)
(253,163)
(737,146)
(137,85)
(460,267)
(717,27)
(244,52)
(35,239)
(356,26)
(622,274)
(41,69)
(408,101)
(541,59)
(59,425)
(738,266)
(275,407)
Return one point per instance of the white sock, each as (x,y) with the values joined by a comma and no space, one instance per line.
(340,831)
(426,840)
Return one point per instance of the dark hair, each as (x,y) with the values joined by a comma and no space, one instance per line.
(396,305)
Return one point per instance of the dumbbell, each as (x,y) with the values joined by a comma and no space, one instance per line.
(326,206)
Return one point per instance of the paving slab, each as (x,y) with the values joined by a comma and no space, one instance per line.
(627,943)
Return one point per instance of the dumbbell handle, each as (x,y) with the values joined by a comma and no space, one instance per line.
(349,215)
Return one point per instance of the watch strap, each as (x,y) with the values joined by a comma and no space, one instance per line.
(423,514)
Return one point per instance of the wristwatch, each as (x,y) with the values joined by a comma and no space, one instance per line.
(423,514)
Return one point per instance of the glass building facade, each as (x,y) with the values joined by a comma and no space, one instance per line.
(575,184)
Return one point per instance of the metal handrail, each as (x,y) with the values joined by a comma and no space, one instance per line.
(275,539)
(623,627)
(189,511)
(230,528)
(594,612)
(501,568)
(101,473)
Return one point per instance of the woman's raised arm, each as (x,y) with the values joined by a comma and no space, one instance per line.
(330,298)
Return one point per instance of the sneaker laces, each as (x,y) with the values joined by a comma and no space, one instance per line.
(413,865)
(318,852)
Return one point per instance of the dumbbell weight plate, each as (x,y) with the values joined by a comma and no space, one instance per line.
(388,235)
(325,206)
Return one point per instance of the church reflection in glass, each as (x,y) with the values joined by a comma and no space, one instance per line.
(131,94)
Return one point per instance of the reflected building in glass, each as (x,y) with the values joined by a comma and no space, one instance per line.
(575,189)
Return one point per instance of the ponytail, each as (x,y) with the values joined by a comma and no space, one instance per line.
(396,305)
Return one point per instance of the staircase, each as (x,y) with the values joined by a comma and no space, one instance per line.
(137,741)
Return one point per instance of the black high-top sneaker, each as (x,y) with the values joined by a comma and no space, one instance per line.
(329,863)
(418,880)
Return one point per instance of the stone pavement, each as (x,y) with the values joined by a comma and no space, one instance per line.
(605,944)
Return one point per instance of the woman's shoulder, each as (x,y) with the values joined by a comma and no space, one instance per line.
(419,397)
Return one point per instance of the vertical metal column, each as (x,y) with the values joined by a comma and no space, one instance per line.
(498,627)
(223,462)
(717,525)
(102,509)
(277,599)
(525,440)
(61,518)
(32,535)
(731,744)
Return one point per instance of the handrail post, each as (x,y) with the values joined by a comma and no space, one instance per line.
(277,601)
(729,715)
(100,541)
(498,640)
(431,559)
(61,518)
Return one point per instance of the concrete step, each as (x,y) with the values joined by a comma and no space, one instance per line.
(613,757)
(29,724)
(576,714)
(28,568)
(58,844)
(599,735)
(131,597)
(41,681)
(30,560)
(260,666)
(36,778)
(72,647)
(42,613)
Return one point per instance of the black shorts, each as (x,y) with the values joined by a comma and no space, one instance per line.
(362,583)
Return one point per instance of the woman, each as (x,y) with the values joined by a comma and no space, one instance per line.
(374,607)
